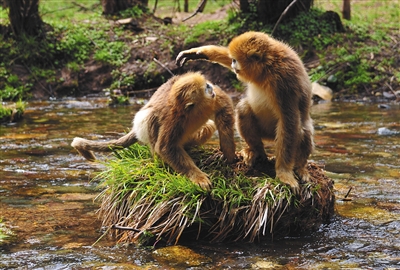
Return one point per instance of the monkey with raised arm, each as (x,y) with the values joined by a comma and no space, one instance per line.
(278,101)
(184,111)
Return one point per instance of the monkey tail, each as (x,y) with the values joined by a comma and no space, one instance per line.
(85,147)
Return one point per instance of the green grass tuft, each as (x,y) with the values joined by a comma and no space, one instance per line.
(146,195)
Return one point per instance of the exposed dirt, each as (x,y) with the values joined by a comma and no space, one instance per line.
(150,42)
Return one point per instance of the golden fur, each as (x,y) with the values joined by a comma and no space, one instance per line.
(277,106)
(179,114)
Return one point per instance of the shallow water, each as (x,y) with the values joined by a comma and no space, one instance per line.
(47,196)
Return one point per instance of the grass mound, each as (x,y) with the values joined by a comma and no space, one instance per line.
(144,199)
(12,112)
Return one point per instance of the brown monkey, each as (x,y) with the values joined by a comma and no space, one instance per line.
(178,115)
(277,106)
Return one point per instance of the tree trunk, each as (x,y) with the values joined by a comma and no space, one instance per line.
(186,6)
(24,17)
(115,6)
(346,12)
(244,6)
(269,11)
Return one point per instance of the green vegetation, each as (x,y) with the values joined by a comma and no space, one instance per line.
(5,233)
(11,113)
(308,29)
(167,8)
(147,195)
(371,13)
(206,30)
(356,62)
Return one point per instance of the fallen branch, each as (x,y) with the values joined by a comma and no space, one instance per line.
(200,8)
(283,15)
(124,228)
(347,194)
(164,66)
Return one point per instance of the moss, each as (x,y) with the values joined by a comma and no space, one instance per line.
(11,113)
(5,233)
(143,196)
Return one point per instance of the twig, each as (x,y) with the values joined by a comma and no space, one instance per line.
(82,7)
(347,194)
(37,80)
(164,66)
(101,237)
(142,91)
(124,228)
(282,15)
(391,89)
(155,6)
(56,10)
(199,8)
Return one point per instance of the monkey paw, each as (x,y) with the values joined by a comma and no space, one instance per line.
(250,156)
(188,55)
(287,177)
(202,180)
(230,157)
(303,174)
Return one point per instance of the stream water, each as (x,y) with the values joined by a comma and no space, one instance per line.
(47,196)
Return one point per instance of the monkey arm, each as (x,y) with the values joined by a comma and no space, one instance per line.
(175,156)
(210,53)
(224,120)
(202,135)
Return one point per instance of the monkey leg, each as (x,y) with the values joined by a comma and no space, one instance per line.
(304,151)
(181,162)
(202,135)
(225,121)
(287,143)
(247,126)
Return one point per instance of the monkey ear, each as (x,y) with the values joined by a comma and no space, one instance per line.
(255,55)
(189,105)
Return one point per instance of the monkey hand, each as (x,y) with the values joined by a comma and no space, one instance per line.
(287,177)
(202,180)
(192,54)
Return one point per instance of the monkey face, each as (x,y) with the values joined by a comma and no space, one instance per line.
(210,90)
(235,66)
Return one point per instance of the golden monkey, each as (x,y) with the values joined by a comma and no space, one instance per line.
(184,111)
(277,106)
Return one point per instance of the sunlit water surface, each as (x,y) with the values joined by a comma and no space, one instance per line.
(47,196)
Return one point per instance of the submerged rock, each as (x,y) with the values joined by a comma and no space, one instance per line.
(180,256)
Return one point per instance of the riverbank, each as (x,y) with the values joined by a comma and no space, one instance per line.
(95,56)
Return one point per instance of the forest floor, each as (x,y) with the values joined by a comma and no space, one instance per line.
(373,59)
(385,89)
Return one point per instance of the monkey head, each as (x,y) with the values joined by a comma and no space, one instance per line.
(194,92)
(249,53)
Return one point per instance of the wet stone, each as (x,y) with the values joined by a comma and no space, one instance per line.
(180,256)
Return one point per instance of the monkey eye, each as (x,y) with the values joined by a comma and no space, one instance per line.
(234,64)
(209,89)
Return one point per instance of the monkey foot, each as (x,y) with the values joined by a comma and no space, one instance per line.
(230,157)
(202,180)
(287,177)
(250,156)
(303,174)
